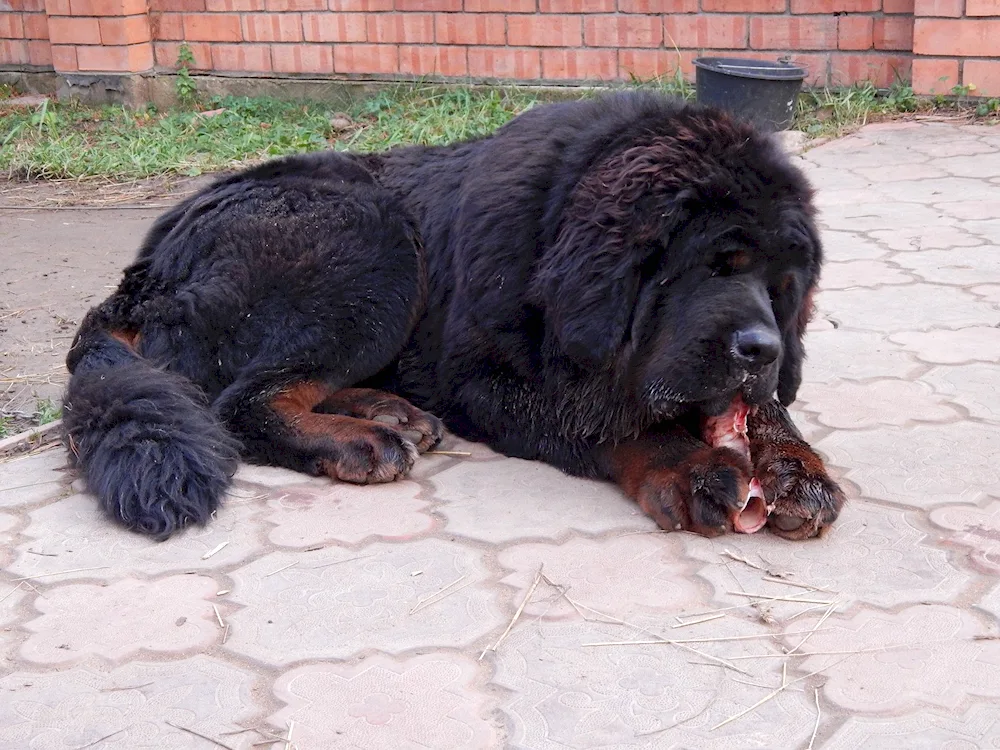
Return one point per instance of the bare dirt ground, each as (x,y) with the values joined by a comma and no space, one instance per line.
(63,246)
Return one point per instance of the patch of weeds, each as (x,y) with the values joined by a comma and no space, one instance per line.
(834,112)
(8,91)
(988,107)
(6,427)
(184,84)
(46,412)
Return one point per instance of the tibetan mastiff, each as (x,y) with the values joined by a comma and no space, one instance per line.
(617,287)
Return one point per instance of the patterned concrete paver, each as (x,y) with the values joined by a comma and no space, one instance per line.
(315,615)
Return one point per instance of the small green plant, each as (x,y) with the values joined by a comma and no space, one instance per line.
(988,107)
(5,427)
(46,412)
(184,84)
(900,98)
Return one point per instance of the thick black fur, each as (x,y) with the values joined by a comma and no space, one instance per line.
(555,289)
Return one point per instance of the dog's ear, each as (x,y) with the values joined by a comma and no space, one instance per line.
(793,349)
(588,280)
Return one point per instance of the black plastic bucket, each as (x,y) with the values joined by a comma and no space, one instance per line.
(758,90)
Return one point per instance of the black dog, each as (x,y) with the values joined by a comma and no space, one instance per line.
(589,286)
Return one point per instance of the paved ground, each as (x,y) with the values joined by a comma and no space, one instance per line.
(378,617)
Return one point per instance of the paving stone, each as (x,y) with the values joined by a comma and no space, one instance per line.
(971,344)
(944,153)
(871,554)
(979,727)
(921,466)
(976,529)
(973,165)
(33,479)
(854,355)
(603,573)
(858,406)
(861,273)
(922,656)
(883,214)
(273,476)
(130,707)
(117,621)
(73,534)
(973,386)
(964,266)
(905,173)
(847,246)
(515,499)
(989,292)
(382,703)
(336,602)
(945,190)
(564,694)
(985,208)
(919,237)
(891,309)
(304,516)
(8,522)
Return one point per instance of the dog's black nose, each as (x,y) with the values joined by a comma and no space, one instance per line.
(756,347)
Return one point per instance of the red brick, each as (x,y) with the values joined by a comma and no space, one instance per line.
(166,26)
(984,74)
(36,26)
(11,26)
(646,64)
(965,38)
(544,31)
(897,6)
(580,64)
(794,33)
(893,33)
(125,30)
(13,52)
(932,76)
(470,28)
(166,53)
(132,59)
(982,7)
(716,32)
(623,31)
(335,27)
(423,60)
(394,28)
(505,63)
(366,58)
(68,30)
(272,27)
(64,58)
(498,6)
(250,58)
(854,32)
(302,58)
(29,6)
(177,6)
(744,6)
(108,7)
(816,65)
(40,53)
(427,5)
(230,6)
(657,6)
(577,6)
(286,5)
(212,27)
(360,5)
(58,8)
(835,6)
(882,70)
(938,8)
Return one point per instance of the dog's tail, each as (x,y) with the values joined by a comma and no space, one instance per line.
(144,439)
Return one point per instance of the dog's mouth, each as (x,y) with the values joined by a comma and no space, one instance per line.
(728,429)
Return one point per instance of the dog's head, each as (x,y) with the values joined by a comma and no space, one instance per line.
(686,260)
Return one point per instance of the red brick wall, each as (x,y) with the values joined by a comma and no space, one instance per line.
(839,41)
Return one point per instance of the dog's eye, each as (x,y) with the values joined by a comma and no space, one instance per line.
(782,286)
(728,263)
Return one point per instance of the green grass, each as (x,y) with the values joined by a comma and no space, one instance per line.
(64,140)
(46,412)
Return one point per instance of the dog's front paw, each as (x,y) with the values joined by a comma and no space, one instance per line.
(709,493)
